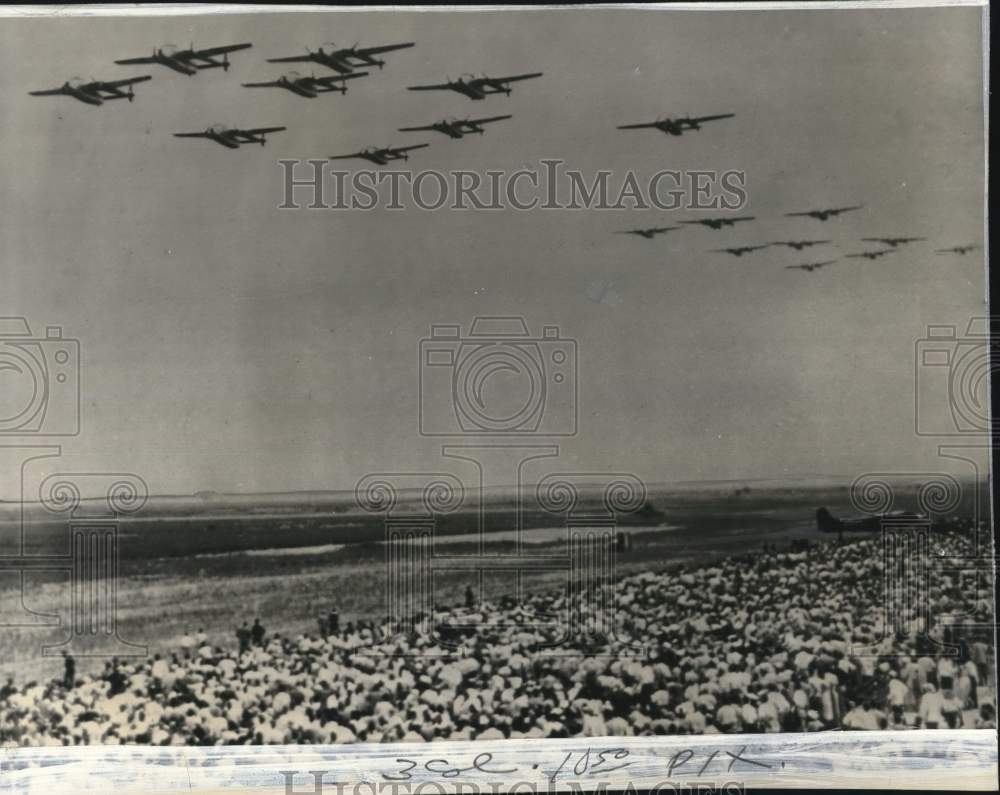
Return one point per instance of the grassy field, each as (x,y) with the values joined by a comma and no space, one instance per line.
(172,584)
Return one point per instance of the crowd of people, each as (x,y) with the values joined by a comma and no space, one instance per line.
(764,642)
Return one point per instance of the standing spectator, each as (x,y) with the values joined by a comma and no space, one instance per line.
(69,670)
(243,637)
(257,633)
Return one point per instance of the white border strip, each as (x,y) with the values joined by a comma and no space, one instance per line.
(148,9)
(924,759)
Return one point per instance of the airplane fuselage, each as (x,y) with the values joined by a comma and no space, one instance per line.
(84,96)
(670,128)
(223,138)
(333,61)
(297,88)
(167,60)
(471,91)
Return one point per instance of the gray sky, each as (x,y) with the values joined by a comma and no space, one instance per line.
(228,345)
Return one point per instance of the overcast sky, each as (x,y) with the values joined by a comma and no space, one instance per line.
(232,346)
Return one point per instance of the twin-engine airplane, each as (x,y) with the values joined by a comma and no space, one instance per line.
(649,233)
(94,92)
(477,87)
(798,245)
(823,215)
(962,250)
(870,254)
(457,128)
(308,86)
(232,137)
(676,126)
(189,61)
(826,522)
(718,223)
(739,251)
(892,241)
(809,267)
(343,59)
(381,156)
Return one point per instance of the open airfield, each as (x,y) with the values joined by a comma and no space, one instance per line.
(212,561)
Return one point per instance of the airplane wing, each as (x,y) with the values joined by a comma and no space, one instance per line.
(261,130)
(128,81)
(437,87)
(191,135)
(216,50)
(806,212)
(292,59)
(845,209)
(407,148)
(488,119)
(712,118)
(261,85)
(636,126)
(147,59)
(512,79)
(48,92)
(345,157)
(384,48)
(417,129)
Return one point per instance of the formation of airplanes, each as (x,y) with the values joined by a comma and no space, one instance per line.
(351,63)
(347,62)
(892,243)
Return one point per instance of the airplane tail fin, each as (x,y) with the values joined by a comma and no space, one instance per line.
(827,522)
